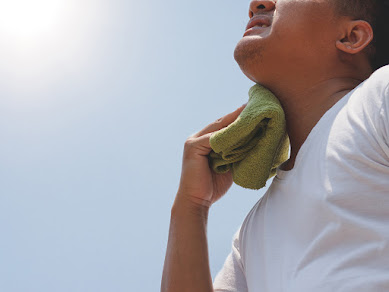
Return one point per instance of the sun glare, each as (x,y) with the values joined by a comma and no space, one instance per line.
(42,41)
(29,18)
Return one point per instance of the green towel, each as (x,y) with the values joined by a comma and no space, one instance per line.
(255,144)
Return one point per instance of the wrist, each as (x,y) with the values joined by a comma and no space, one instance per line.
(190,207)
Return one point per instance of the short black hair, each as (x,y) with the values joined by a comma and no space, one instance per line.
(375,12)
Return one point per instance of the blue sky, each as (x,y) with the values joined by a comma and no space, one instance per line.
(96,102)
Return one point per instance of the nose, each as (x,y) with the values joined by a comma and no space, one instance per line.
(258,6)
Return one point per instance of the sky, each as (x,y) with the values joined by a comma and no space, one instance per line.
(96,101)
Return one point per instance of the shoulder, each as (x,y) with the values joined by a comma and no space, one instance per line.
(379,80)
(378,84)
(373,93)
(382,73)
(372,102)
(383,68)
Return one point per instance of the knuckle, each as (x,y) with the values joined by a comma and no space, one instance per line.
(189,143)
(189,148)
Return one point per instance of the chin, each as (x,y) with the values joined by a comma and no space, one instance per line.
(248,55)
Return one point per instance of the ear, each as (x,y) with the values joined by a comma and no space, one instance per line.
(357,36)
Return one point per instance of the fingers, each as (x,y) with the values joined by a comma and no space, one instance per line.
(198,145)
(220,123)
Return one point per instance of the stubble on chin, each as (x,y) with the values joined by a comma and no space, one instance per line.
(249,57)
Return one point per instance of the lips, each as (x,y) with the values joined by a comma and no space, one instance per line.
(258,22)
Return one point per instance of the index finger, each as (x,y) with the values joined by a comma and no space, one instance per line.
(220,123)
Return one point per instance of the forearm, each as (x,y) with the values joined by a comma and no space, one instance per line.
(186,265)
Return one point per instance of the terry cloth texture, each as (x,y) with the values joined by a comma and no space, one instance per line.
(255,144)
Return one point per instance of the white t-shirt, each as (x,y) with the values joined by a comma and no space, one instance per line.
(324,225)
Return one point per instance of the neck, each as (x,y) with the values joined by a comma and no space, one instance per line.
(304,106)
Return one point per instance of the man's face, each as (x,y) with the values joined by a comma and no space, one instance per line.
(283,34)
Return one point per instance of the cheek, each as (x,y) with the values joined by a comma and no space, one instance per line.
(303,36)
(300,21)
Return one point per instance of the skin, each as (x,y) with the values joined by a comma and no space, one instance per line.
(324,57)
(310,58)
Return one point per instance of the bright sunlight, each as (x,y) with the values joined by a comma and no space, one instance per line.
(29,18)
(43,41)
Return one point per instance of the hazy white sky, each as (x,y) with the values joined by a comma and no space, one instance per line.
(96,100)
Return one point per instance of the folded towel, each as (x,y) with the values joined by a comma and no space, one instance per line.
(255,144)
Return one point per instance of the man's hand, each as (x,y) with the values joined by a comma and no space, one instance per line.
(186,265)
(199,184)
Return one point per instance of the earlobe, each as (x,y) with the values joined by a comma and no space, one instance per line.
(358,36)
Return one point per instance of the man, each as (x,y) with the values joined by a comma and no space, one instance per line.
(323,224)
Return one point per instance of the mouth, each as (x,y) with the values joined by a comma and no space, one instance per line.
(258,24)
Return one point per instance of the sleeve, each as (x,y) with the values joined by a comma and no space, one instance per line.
(231,277)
